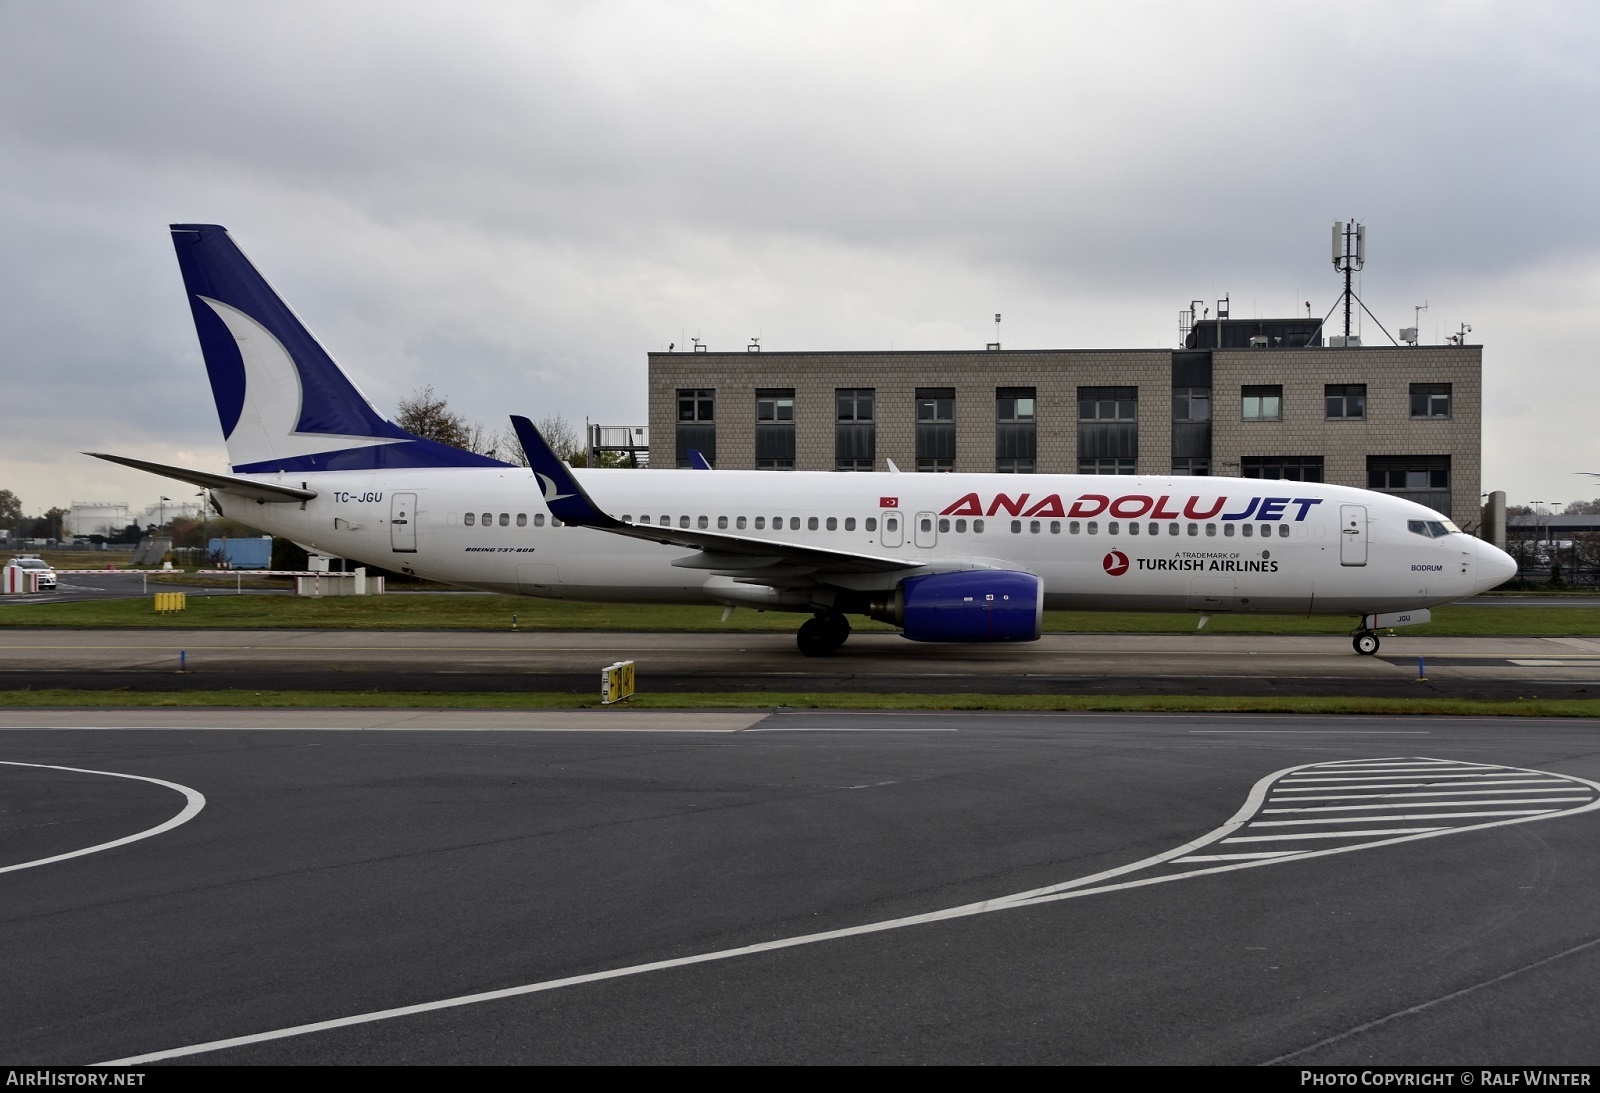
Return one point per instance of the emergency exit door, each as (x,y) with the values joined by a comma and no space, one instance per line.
(403,523)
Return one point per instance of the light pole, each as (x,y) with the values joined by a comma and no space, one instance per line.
(162,522)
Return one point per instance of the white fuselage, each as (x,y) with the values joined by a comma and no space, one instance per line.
(1098,542)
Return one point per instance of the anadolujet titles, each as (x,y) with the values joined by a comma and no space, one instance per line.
(945,557)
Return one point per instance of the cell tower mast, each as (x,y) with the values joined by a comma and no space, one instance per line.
(1349,255)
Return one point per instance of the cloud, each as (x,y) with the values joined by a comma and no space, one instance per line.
(517,201)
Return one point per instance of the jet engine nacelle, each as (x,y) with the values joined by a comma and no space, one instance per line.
(973,605)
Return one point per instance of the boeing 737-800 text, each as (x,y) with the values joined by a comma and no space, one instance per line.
(945,557)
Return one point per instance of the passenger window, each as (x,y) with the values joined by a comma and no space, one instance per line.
(891,524)
(1211,531)
(538,519)
(554,522)
(1112,527)
(761,523)
(794,523)
(811,523)
(1172,529)
(1155,529)
(1033,527)
(849,523)
(1283,531)
(645,519)
(666,521)
(683,521)
(1247,530)
(833,523)
(977,526)
(1133,527)
(1072,528)
(702,523)
(1055,527)
(961,526)
(488,519)
(469,519)
(722,522)
(1016,527)
(944,526)
(522,519)
(1227,531)
(739,523)
(1194,529)
(1093,527)
(870,523)
(505,519)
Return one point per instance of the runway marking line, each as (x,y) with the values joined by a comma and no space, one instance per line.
(1072,889)
(194,801)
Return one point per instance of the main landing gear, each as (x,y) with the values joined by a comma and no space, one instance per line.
(1365,642)
(819,637)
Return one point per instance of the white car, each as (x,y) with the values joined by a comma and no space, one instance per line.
(46,572)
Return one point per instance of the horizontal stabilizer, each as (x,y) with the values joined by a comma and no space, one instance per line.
(268,492)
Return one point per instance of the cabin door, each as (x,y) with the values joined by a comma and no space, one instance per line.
(403,523)
(925,534)
(1352,535)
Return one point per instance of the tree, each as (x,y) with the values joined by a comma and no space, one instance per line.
(558,432)
(48,526)
(428,415)
(10,510)
(1583,508)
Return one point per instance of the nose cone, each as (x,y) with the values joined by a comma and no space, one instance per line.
(1495,566)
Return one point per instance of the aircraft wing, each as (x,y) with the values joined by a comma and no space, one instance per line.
(720,552)
(266,492)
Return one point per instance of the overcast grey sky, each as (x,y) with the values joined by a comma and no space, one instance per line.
(514,202)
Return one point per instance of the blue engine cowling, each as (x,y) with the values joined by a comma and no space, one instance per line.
(974,605)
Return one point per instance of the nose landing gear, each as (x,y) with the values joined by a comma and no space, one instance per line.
(821,636)
(1365,642)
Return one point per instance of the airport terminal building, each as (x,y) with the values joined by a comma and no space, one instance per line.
(1248,398)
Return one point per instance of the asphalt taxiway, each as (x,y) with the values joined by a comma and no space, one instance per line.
(632,886)
(456,661)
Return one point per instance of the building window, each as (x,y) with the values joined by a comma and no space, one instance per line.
(1108,430)
(1263,402)
(1424,479)
(1290,468)
(1191,404)
(1191,465)
(1015,430)
(855,430)
(936,428)
(1106,465)
(697,427)
(1430,400)
(1346,401)
(775,429)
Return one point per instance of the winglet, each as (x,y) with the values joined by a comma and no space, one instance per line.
(565,499)
(699,462)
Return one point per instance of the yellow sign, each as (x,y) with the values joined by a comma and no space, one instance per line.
(616,682)
(168,602)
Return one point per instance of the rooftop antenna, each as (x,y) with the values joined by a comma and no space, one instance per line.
(996,343)
(1349,256)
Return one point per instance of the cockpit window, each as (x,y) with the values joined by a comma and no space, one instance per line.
(1419,527)
(1450,527)
(1438,529)
(1432,529)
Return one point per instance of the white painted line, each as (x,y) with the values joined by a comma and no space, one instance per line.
(1342,763)
(1323,732)
(1338,834)
(1072,889)
(1419,793)
(193,803)
(1235,857)
(1424,804)
(1422,785)
(1357,778)
(1393,819)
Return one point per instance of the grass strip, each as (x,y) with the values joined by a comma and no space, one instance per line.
(457,611)
(552,700)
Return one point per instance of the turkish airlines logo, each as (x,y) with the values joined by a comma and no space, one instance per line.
(1116,563)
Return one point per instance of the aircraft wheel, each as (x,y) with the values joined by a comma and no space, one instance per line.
(820,636)
(1366,643)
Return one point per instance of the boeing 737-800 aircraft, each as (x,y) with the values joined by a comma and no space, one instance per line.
(945,557)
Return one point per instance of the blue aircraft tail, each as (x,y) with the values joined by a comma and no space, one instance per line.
(283,403)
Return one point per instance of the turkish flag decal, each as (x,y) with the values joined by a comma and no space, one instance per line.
(888,502)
